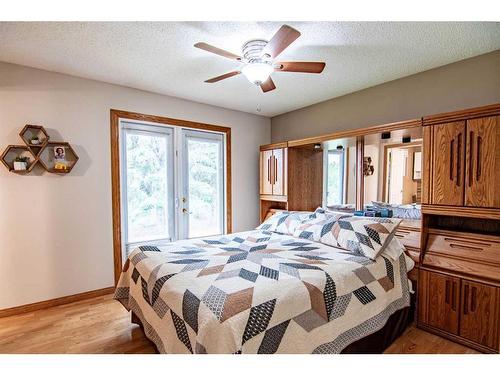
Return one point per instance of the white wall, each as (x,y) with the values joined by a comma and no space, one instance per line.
(464,84)
(56,231)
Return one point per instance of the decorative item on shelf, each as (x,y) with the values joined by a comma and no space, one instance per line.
(54,157)
(21,163)
(368,168)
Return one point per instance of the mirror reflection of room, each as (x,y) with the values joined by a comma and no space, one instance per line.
(392,171)
(340,174)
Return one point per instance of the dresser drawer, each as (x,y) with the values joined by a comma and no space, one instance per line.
(475,248)
(409,239)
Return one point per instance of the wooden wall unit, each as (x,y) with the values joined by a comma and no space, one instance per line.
(456,244)
(459,290)
(462,159)
(291,178)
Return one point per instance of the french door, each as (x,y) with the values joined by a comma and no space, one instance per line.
(173,183)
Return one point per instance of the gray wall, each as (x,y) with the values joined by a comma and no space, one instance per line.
(468,83)
(56,231)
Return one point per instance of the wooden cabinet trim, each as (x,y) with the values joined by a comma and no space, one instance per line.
(357,132)
(484,111)
(273,146)
(474,212)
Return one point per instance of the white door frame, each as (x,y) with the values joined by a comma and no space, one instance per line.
(177,175)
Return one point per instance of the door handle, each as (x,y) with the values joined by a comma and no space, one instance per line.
(471,153)
(269,169)
(275,170)
(478,158)
(473,300)
(459,149)
(447,293)
(185,211)
(452,143)
(454,297)
(466,300)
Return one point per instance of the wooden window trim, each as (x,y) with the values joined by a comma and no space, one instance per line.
(115,116)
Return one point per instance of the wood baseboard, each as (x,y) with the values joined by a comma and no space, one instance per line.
(55,302)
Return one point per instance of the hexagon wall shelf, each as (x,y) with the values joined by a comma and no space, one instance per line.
(39,149)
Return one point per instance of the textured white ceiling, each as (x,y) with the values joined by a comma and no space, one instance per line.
(160,56)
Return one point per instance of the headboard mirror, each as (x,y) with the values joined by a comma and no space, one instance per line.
(393,167)
(339,190)
(390,171)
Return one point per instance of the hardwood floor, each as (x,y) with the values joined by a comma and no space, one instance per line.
(102,325)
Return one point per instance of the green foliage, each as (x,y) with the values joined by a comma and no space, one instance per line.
(335,179)
(146,187)
(147,190)
(203,162)
(22,159)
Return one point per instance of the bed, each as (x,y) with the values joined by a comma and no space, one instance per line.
(264,292)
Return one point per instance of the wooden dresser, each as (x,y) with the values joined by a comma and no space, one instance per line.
(459,273)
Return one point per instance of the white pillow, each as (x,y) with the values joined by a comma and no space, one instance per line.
(284,222)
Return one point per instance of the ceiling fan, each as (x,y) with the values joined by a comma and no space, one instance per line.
(258,59)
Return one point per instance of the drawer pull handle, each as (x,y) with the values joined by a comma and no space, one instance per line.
(464,247)
(484,244)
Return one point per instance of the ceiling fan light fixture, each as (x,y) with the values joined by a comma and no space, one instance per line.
(257,73)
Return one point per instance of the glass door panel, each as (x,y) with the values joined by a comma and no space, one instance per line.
(148,180)
(335,177)
(203,181)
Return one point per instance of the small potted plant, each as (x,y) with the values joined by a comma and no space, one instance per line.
(35,140)
(21,163)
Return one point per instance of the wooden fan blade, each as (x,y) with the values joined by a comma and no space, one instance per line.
(285,36)
(224,76)
(300,66)
(268,85)
(217,51)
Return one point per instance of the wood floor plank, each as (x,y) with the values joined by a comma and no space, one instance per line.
(102,325)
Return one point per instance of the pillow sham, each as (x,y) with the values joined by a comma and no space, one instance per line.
(366,236)
(284,222)
(318,226)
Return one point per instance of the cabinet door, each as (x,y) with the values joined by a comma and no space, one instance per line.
(478,321)
(448,159)
(439,297)
(279,175)
(483,162)
(266,172)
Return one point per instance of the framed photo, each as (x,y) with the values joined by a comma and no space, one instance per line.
(59,153)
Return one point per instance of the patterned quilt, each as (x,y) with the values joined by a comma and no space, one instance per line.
(259,292)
